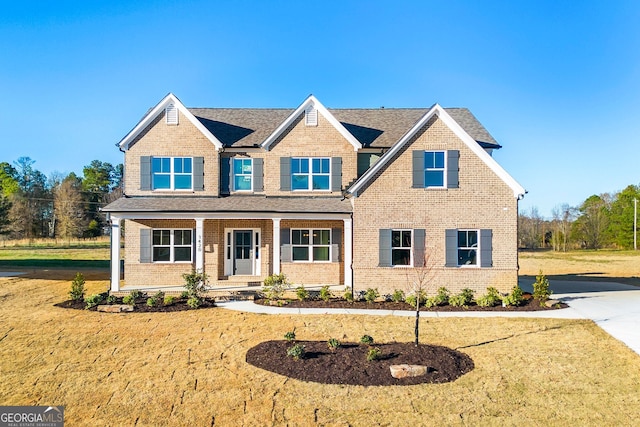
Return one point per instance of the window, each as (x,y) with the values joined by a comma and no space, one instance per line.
(172,245)
(310,173)
(172,173)
(434,168)
(401,247)
(242,174)
(311,245)
(467,247)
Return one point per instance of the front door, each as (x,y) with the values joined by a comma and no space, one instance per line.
(242,252)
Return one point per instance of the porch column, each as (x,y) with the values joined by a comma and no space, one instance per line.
(348,252)
(115,253)
(199,244)
(276,245)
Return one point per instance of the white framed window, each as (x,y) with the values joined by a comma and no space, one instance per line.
(311,245)
(434,169)
(172,245)
(242,174)
(468,246)
(172,173)
(401,248)
(311,173)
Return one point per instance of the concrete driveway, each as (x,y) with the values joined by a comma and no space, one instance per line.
(615,307)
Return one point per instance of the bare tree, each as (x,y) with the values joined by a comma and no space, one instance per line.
(68,207)
(419,279)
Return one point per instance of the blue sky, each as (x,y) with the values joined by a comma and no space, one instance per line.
(557,83)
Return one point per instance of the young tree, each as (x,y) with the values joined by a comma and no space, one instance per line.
(419,279)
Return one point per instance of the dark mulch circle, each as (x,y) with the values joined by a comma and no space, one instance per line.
(348,364)
(180,304)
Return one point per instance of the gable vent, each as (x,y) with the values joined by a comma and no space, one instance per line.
(171,112)
(311,116)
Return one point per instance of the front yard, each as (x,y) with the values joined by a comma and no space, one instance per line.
(189,367)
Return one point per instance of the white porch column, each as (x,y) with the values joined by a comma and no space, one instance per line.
(199,244)
(348,252)
(276,245)
(115,253)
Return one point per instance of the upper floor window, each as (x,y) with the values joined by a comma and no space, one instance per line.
(401,247)
(311,244)
(434,168)
(310,173)
(467,247)
(242,174)
(172,245)
(172,173)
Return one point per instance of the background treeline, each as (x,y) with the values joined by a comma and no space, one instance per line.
(33,205)
(601,221)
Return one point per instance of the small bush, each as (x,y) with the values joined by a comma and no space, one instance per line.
(159,296)
(411,299)
(194,302)
(541,290)
(112,299)
(442,297)
(348,294)
(274,286)
(490,299)
(296,351)
(333,343)
(325,293)
(302,293)
(152,302)
(93,300)
(366,339)
(515,298)
(463,299)
(129,300)
(169,300)
(290,336)
(397,296)
(135,294)
(77,288)
(373,354)
(184,295)
(371,294)
(195,284)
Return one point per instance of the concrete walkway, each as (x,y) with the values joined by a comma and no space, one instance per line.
(614,307)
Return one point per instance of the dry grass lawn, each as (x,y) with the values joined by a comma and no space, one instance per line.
(189,367)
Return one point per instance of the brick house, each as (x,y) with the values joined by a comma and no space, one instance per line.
(350,197)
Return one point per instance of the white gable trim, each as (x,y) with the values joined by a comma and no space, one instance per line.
(153,113)
(437,110)
(311,101)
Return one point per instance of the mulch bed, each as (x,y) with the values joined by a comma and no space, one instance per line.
(529,304)
(348,364)
(180,304)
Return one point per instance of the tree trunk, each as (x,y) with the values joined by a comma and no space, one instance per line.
(417,318)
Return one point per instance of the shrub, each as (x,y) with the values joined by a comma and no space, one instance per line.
(159,296)
(366,339)
(442,297)
(371,294)
(411,299)
(514,298)
(490,299)
(194,302)
(93,300)
(302,293)
(184,295)
(348,294)
(463,299)
(325,293)
(397,296)
(77,288)
(333,343)
(290,336)
(169,300)
(129,300)
(111,299)
(541,290)
(373,354)
(274,286)
(152,302)
(296,351)
(195,284)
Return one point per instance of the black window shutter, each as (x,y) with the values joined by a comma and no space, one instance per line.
(285,245)
(384,248)
(452,168)
(225,172)
(451,245)
(486,249)
(285,173)
(418,247)
(336,173)
(258,179)
(418,169)
(336,237)
(145,173)
(145,245)
(198,173)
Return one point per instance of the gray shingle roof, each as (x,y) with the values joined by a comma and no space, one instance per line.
(231,204)
(374,128)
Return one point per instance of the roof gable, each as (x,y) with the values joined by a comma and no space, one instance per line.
(311,101)
(155,111)
(456,128)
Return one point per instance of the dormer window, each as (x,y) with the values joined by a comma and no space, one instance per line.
(311,116)
(171,114)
